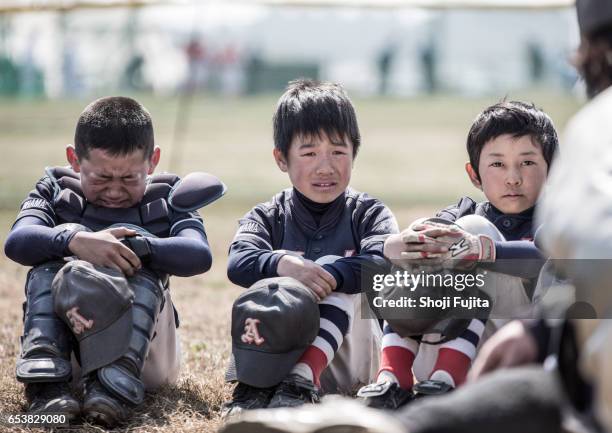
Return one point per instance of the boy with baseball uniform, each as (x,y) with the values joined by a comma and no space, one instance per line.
(128,230)
(322,233)
(510,146)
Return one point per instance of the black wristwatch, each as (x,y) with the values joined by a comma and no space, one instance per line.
(140,246)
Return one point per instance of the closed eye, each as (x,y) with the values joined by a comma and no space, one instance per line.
(100,180)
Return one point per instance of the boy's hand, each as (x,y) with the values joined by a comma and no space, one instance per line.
(438,245)
(309,273)
(466,250)
(511,346)
(103,248)
(417,245)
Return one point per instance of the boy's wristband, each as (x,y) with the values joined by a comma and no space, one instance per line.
(140,246)
(65,234)
(487,249)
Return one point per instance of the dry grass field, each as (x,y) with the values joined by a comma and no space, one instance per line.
(412,158)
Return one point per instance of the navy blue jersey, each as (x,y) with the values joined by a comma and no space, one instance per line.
(514,227)
(354,226)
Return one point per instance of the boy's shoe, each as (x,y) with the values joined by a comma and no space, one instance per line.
(100,407)
(385,395)
(294,391)
(52,398)
(336,414)
(431,387)
(246,397)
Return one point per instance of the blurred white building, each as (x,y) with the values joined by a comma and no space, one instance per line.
(471,52)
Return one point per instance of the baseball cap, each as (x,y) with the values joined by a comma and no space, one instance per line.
(96,304)
(273,322)
(593,14)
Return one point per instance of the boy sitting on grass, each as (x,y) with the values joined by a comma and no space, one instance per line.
(510,147)
(322,233)
(129,230)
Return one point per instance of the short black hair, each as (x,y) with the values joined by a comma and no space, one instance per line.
(309,107)
(517,119)
(116,124)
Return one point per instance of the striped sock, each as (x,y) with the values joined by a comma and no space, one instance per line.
(333,327)
(397,357)
(455,357)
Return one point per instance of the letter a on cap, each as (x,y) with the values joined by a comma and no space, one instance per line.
(251,333)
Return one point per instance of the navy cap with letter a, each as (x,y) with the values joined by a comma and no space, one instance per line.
(96,303)
(273,322)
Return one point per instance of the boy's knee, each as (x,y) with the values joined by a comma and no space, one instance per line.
(478,225)
(342,302)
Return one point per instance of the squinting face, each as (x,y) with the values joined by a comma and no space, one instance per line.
(113,181)
(512,172)
(319,166)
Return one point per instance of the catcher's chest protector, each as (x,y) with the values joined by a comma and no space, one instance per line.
(153,213)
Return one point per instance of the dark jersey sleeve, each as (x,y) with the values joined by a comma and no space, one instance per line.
(465,206)
(374,222)
(517,258)
(34,239)
(251,255)
(185,254)
(31,242)
(39,203)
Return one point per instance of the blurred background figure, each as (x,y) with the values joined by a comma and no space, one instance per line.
(197,63)
(385,63)
(405,51)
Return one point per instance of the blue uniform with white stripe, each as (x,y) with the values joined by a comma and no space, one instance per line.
(353,227)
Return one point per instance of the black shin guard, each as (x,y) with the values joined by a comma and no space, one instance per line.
(46,341)
(122,377)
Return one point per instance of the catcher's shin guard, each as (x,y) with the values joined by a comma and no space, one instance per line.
(46,342)
(122,377)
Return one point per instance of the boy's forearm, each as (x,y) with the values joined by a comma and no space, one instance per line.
(31,242)
(184,255)
(348,271)
(248,264)
(517,258)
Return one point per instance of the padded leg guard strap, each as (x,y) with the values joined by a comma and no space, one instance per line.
(46,341)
